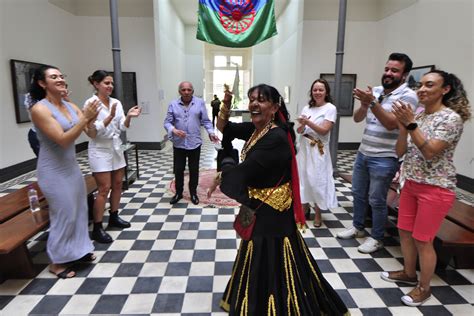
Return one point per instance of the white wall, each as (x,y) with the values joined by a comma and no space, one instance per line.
(319,56)
(261,62)
(169,53)
(194,66)
(439,32)
(164,52)
(137,55)
(25,36)
(286,53)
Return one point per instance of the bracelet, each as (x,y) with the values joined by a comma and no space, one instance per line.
(224,116)
(224,108)
(423,145)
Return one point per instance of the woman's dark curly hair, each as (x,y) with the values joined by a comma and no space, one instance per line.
(269,93)
(327,98)
(456,98)
(36,91)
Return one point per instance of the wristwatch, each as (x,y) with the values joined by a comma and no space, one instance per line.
(372,103)
(411,126)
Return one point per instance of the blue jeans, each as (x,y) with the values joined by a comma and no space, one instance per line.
(370,183)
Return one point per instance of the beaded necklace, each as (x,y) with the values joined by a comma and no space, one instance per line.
(254,139)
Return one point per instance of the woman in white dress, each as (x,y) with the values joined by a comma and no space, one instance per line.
(314,160)
(106,157)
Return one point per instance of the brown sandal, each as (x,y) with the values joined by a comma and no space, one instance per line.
(317,218)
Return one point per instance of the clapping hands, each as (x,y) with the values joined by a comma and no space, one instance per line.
(364,96)
(403,112)
(135,111)
(303,120)
(91,110)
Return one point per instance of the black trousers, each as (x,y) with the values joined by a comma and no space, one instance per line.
(214,117)
(34,142)
(179,164)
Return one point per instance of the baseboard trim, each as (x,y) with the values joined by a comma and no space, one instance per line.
(18,169)
(81,146)
(150,145)
(14,171)
(348,146)
(465,183)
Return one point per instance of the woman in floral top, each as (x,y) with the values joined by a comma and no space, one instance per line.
(428,141)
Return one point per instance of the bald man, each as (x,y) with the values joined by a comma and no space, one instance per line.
(183,123)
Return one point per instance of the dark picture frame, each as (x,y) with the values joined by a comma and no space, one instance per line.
(22,74)
(345,106)
(129,82)
(414,76)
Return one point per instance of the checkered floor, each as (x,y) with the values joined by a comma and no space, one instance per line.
(177,260)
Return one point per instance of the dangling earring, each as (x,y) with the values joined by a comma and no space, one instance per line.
(273,118)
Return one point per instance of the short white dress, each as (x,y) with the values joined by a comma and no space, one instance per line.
(315,169)
(105,150)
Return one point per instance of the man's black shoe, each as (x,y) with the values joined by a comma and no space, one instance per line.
(194,199)
(175,199)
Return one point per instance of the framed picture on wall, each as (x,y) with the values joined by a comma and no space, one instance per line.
(415,75)
(129,82)
(345,106)
(22,74)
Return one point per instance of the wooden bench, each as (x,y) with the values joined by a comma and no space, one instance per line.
(18,225)
(455,238)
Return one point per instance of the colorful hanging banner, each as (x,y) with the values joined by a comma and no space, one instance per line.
(236,23)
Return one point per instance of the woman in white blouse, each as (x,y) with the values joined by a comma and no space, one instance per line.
(106,157)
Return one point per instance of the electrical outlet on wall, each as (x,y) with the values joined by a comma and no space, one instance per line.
(145,105)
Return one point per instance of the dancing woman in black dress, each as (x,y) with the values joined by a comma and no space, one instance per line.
(274,273)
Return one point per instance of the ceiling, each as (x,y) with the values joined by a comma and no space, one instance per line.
(186,9)
(357,10)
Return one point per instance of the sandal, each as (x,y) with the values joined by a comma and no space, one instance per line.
(317,218)
(64,274)
(87,258)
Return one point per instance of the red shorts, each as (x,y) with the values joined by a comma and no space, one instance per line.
(423,208)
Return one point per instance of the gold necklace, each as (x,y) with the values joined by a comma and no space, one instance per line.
(254,139)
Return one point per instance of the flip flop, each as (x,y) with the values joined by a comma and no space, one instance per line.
(64,274)
(87,258)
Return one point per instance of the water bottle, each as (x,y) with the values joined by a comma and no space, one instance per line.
(33,198)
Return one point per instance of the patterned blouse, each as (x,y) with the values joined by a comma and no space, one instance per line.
(445,125)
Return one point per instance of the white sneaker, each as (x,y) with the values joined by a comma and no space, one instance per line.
(351,233)
(370,245)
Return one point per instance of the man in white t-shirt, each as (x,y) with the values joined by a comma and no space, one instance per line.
(377,162)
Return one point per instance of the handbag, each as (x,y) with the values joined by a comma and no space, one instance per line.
(245,221)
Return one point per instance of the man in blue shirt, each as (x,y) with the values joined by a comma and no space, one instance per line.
(183,123)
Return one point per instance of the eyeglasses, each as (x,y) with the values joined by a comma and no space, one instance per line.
(54,77)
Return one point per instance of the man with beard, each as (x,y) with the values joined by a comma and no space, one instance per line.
(376,162)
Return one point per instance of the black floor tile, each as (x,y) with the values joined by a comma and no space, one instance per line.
(168,303)
(147,285)
(178,269)
(109,304)
(39,286)
(50,304)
